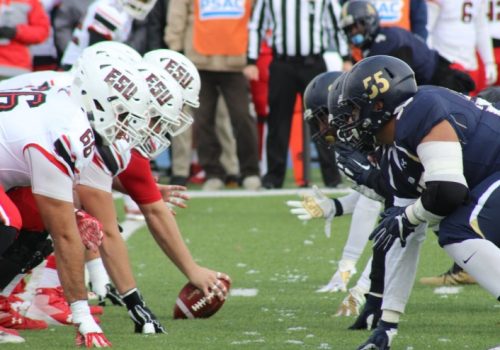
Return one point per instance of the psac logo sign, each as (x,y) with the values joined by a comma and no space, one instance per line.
(179,73)
(121,83)
(159,90)
(221,9)
(388,10)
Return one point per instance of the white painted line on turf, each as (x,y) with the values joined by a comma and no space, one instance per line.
(129,227)
(243,292)
(448,290)
(259,193)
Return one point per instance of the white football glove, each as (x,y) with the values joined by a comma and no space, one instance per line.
(314,205)
(340,278)
(352,303)
(491,73)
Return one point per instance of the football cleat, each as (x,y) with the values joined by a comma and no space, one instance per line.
(10,318)
(10,336)
(369,317)
(453,277)
(341,278)
(113,295)
(351,304)
(381,337)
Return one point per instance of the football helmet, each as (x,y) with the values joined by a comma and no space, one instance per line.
(368,98)
(117,49)
(164,109)
(138,9)
(360,22)
(316,107)
(113,94)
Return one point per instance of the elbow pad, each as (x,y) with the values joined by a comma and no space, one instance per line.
(443,197)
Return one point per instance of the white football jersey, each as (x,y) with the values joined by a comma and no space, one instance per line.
(42,80)
(49,122)
(456,31)
(106,17)
(494,18)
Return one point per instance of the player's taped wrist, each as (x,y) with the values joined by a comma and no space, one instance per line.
(417,214)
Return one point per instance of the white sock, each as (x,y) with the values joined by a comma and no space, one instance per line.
(97,276)
(390,316)
(363,221)
(481,259)
(349,202)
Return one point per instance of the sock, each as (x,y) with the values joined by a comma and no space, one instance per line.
(390,316)
(481,259)
(49,278)
(132,298)
(97,276)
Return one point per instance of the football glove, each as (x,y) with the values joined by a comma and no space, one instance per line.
(353,164)
(382,337)
(369,317)
(341,278)
(351,304)
(89,334)
(394,225)
(314,205)
(90,230)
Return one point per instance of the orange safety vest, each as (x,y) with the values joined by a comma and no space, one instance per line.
(221,27)
(393,13)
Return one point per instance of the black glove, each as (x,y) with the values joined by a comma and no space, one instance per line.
(354,164)
(7,32)
(381,338)
(394,224)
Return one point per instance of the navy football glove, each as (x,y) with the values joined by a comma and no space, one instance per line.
(394,225)
(354,164)
(369,317)
(381,337)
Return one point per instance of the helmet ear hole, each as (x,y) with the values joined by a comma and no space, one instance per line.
(98,105)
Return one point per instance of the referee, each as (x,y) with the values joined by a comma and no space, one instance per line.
(301,32)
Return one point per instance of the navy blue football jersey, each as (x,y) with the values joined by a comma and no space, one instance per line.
(476,122)
(400,43)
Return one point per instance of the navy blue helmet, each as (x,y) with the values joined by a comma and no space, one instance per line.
(368,97)
(360,22)
(316,107)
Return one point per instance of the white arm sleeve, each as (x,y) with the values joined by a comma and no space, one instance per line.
(46,178)
(95,177)
(442,161)
(484,43)
(433,9)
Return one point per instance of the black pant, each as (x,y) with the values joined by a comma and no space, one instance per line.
(288,77)
(234,88)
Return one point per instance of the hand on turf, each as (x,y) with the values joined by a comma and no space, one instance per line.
(370,316)
(314,205)
(381,337)
(89,334)
(341,278)
(90,230)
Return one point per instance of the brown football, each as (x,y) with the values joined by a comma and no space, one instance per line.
(191,303)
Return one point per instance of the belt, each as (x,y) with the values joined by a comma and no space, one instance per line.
(298,59)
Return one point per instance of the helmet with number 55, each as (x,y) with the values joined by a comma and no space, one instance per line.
(369,96)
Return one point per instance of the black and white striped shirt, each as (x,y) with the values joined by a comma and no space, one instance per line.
(299,28)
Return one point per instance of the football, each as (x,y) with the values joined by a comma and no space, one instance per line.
(191,303)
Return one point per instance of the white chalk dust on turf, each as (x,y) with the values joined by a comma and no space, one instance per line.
(448,290)
(243,292)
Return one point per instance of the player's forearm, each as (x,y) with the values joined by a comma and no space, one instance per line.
(59,219)
(165,231)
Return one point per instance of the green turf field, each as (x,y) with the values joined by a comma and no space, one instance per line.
(263,247)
